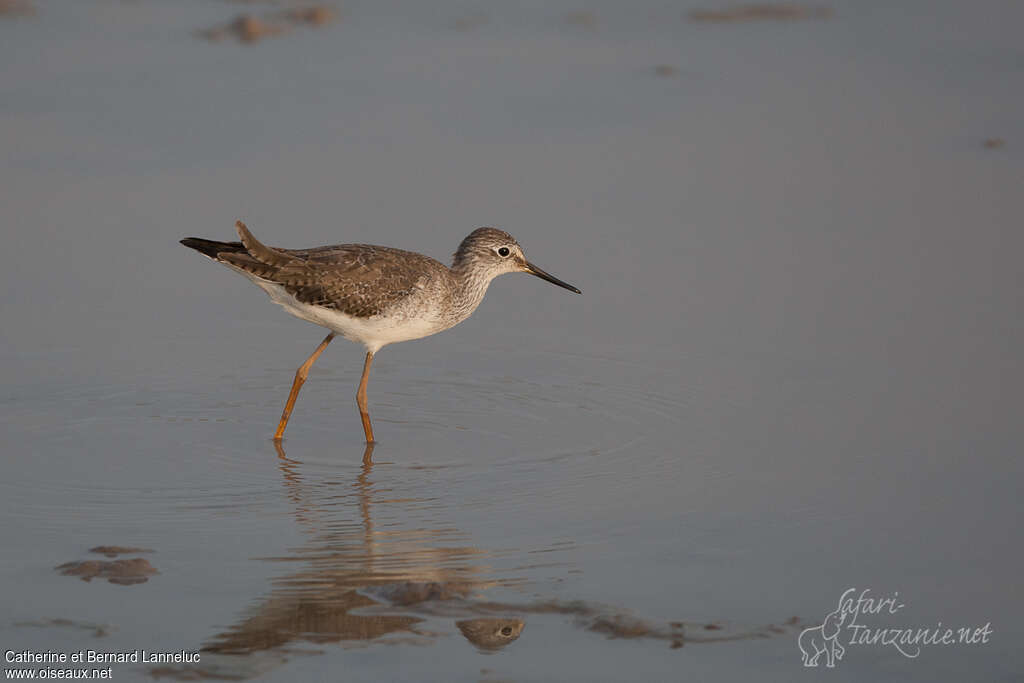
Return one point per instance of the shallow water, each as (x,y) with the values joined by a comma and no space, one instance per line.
(795,367)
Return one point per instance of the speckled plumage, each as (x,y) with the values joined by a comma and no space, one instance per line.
(368,283)
(360,280)
(369,294)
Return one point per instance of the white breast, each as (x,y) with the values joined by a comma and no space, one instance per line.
(400,324)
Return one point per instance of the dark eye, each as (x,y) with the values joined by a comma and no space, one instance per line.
(507,631)
(503,251)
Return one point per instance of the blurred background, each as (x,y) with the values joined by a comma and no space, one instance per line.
(795,366)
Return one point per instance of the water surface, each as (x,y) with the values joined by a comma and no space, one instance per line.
(795,367)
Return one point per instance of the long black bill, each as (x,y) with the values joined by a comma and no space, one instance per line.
(544,275)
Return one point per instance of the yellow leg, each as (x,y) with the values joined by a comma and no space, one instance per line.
(361,399)
(300,379)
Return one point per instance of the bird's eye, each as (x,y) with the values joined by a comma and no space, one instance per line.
(503,251)
(507,631)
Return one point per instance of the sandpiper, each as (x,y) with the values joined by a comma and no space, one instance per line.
(372,295)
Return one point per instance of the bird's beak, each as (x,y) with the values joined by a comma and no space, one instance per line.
(543,275)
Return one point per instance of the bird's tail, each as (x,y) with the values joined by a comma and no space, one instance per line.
(212,247)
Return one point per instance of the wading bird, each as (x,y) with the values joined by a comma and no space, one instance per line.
(372,295)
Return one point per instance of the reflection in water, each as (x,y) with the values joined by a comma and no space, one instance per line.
(358,581)
(490,634)
(344,561)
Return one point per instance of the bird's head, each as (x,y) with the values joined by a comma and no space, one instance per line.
(490,252)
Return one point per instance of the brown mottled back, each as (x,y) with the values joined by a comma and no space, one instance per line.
(360,280)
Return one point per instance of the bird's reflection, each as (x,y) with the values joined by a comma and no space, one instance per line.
(376,566)
(352,573)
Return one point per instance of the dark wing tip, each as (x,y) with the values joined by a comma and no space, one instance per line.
(211,247)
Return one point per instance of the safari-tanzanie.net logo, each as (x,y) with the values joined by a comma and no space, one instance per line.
(846,627)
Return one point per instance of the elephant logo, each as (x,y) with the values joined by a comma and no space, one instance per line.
(823,640)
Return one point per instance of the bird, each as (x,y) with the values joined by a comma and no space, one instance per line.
(369,294)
